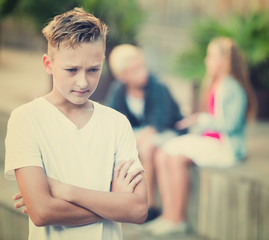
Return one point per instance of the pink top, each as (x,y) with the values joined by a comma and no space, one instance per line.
(211,111)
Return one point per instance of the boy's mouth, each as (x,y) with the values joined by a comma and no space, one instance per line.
(81,92)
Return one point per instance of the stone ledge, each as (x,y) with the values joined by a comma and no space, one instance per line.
(231,204)
(13,224)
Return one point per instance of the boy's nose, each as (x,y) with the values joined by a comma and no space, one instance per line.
(82,81)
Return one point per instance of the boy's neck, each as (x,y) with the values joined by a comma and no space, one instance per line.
(66,106)
(80,115)
(135,92)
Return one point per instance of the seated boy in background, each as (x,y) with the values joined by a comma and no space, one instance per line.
(147,104)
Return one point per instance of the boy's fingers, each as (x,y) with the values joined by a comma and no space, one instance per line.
(125,168)
(17,196)
(24,211)
(19,204)
(135,182)
(120,163)
(131,175)
(117,168)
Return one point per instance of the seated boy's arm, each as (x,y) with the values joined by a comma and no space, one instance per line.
(126,202)
(44,209)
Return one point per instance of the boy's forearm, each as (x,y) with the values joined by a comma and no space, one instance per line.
(62,213)
(115,206)
(44,209)
(108,207)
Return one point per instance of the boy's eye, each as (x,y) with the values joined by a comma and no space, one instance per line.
(71,70)
(93,69)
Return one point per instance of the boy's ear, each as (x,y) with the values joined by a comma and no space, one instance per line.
(47,63)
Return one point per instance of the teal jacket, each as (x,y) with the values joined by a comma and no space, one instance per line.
(230,116)
(161,111)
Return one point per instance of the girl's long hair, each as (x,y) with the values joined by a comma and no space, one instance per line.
(237,69)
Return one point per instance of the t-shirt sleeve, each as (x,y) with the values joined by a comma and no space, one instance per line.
(22,149)
(126,147)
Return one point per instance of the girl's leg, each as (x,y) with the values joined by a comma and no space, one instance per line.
(146,155)
(173,181)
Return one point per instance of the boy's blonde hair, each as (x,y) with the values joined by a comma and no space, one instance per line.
(74,27)
(120,57)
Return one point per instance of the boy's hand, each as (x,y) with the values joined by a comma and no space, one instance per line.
(58,189)
(19,204)
(124,181)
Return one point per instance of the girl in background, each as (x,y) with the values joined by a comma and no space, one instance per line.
(220,140)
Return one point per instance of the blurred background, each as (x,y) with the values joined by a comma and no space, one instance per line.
(174,36)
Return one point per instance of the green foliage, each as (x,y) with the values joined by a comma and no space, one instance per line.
(250,32)
(40,11)
(6,7)
(122,17)
(190,64)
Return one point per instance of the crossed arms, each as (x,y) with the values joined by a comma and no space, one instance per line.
(49,202)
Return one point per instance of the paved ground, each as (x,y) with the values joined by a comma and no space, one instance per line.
(132,232)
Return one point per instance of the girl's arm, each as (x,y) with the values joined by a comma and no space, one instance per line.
(42,207)
(126,203)
(187,122)
(231,103)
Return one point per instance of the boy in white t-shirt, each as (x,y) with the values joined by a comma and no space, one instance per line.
(70,155)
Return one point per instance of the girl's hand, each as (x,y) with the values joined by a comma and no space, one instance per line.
(124,181)
(20,203)
(187,121)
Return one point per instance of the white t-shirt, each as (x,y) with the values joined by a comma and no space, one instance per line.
(40,135)
(136,106)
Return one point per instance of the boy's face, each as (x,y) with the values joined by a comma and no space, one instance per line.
(76,71)
(135,73)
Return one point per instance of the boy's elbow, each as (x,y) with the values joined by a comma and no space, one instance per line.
(142,216)
(40,216)
(141,213)
(39,222)
(141,203)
